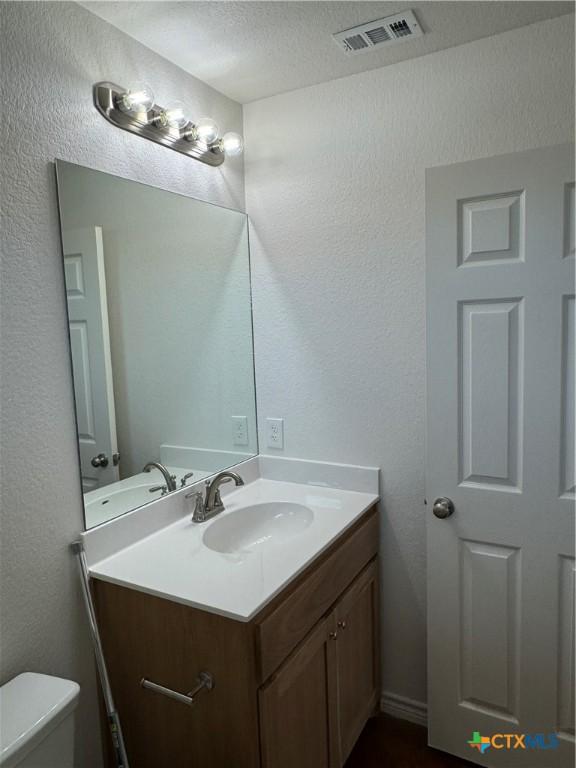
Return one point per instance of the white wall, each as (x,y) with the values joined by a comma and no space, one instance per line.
(335,193)
(52,53)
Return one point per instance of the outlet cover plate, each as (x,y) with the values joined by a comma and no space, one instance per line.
(240,430)
(275,433)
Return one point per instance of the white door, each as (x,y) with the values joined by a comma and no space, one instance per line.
(500,446)
(91,361)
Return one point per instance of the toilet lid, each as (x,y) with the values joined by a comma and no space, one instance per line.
(32,705)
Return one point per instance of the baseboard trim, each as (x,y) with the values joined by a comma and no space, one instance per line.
(404,708)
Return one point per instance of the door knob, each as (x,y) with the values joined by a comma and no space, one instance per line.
(443,507)
(100,461)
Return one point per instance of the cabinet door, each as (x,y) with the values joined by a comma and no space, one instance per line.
(357,657)
(297,706)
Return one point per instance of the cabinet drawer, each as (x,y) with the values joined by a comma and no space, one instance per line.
(279,632)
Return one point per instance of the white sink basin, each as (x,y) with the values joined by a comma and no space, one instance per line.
(262,525)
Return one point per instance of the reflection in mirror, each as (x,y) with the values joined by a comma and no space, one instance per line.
(158,294)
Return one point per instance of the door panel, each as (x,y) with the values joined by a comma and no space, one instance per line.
(296,707)
(90,349)
(490,631)
(82,388)
(491,229)
(568,438)
(357,657)
(491,334)
(569,218)
(500,444)
(566,640)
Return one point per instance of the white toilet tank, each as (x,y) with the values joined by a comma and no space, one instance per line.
(37,722)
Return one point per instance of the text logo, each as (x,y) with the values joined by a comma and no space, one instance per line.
(513,741)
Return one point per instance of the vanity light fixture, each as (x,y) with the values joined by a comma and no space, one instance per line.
(134,109)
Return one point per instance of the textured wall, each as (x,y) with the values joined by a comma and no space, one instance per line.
(52,53)
(335,193)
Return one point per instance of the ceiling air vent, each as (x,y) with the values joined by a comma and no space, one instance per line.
(366,37)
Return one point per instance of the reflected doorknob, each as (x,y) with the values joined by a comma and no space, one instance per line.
(443,507)
(100,461)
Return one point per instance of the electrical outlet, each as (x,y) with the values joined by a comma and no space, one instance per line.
(275,433)
(239,430)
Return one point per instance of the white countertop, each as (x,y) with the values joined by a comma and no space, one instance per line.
(174,563)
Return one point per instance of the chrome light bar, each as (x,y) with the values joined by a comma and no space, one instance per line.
(149,121)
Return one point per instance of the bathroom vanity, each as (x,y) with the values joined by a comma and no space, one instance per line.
(288,630)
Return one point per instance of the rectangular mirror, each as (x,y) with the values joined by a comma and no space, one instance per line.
(160,319)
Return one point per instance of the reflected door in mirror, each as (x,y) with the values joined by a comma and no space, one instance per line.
(91,359)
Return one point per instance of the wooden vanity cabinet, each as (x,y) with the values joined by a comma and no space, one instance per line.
(294,686)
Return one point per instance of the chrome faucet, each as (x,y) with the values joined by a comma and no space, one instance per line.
(170,479)
(206,508)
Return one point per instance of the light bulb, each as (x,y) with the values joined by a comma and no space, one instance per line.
(232,144)
(206,130)
(174,115)
(138,98)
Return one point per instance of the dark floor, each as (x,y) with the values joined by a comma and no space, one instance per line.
(389,743)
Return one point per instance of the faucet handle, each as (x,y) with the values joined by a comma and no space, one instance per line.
(199,514)
(162,488)
(186,477)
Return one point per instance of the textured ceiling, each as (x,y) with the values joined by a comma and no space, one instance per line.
(250,50)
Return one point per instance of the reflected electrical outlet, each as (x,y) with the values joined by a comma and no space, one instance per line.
(239,430)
